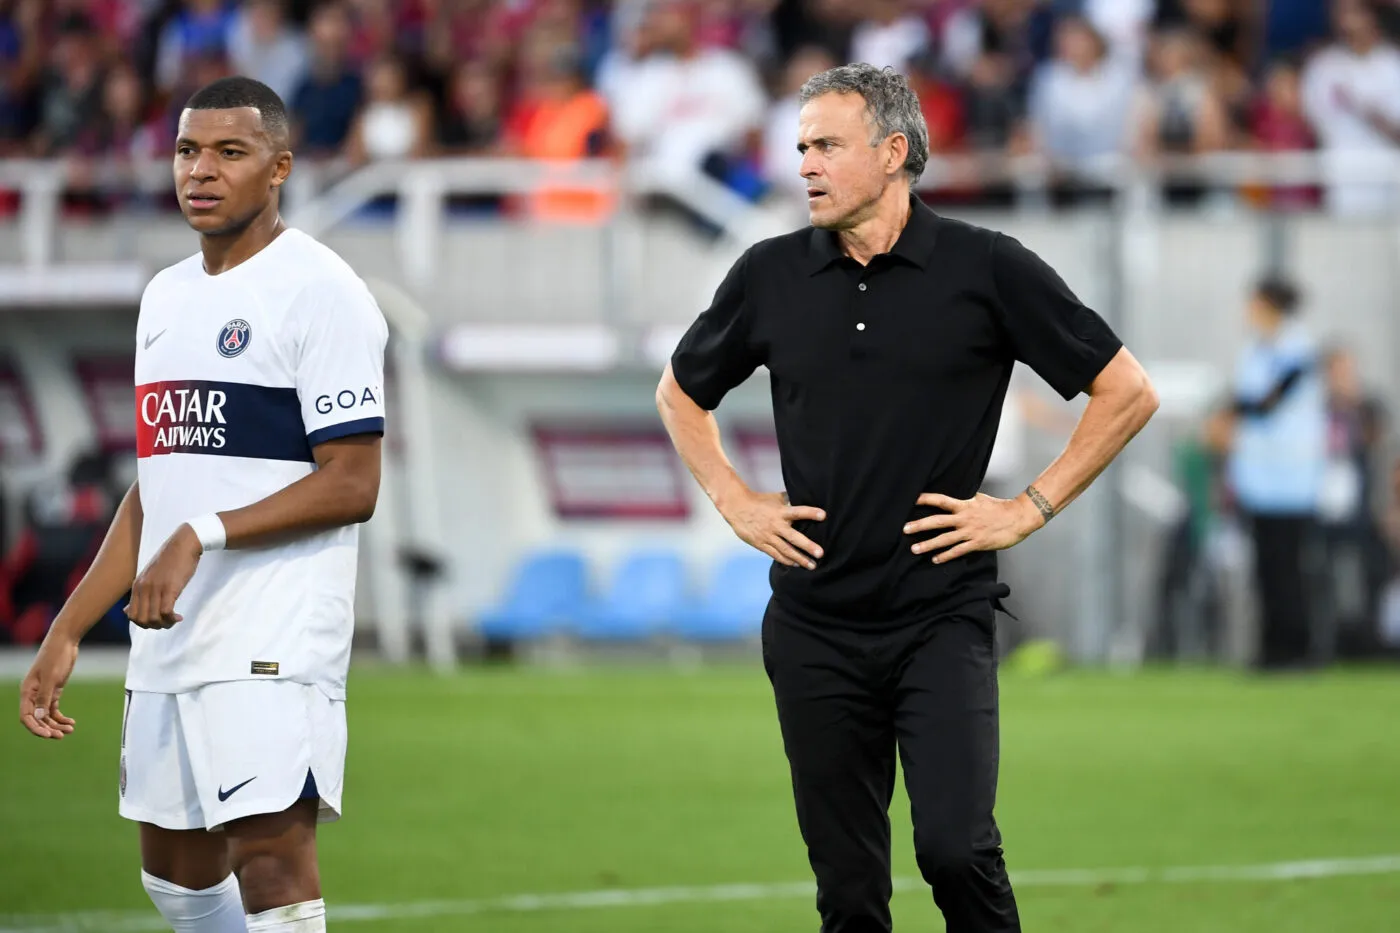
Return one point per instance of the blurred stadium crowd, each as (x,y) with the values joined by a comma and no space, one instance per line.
(679,84)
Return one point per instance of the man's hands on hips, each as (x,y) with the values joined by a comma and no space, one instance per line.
(764,520)
(157,587)
(982,523)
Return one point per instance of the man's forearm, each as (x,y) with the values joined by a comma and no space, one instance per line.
(319,501)
(1109,422)
(111,574)
(696,437)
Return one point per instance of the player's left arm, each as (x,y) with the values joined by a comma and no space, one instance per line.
(1121,401)
(1074,350)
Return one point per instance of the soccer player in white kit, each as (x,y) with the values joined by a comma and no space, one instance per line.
(260,409)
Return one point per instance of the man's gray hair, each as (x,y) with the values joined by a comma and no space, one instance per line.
(891,104)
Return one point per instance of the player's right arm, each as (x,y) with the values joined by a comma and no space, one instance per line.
(762,520)
(106,581)
(714,356)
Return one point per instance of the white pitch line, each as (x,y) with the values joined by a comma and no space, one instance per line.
(146,922)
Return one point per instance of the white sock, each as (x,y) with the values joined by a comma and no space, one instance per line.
(214,910)
(306,917)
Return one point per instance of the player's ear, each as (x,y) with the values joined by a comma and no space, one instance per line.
(282,169)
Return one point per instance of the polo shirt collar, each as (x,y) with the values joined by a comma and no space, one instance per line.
(915,243)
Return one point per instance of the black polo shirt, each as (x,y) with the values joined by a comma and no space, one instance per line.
(887,382)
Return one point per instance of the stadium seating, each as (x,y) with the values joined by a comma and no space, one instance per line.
(733,608)
(646,596)
(646,593)
(546,591)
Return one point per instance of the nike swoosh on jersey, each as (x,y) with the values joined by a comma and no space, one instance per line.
(152,338)
(226,794)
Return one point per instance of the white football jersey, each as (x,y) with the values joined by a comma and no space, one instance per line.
(238,376)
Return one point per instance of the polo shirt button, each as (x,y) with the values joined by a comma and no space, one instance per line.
(860,326)
(862,286)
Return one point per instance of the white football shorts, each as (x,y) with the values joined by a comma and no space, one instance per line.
(228,750)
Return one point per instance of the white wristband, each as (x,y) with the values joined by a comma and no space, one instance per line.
(210,531)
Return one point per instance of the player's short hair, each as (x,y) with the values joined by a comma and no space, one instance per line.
(890,102)
(238,91)
(1280,294)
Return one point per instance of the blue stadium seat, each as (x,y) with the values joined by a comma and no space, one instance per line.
(547,590)
(733,608)
(646,592)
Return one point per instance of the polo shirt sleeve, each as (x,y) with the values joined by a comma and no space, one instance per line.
(716,354)
(340,363)
(1049,328)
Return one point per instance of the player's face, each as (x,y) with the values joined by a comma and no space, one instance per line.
(227,169)
(845,174)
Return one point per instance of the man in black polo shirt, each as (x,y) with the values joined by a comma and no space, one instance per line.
(890,334)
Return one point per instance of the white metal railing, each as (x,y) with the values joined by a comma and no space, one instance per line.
(42,183)
(1221,169)
(322,195)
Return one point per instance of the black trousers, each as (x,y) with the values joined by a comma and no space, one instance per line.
(1283,582)
(847,700)
(1356,568)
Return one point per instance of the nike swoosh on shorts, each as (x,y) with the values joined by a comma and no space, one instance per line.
(226,794)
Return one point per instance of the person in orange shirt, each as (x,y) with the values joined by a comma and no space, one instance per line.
(559,119)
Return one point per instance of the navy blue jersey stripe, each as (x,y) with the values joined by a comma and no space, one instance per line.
(346,429)
(273,429)
(225,419)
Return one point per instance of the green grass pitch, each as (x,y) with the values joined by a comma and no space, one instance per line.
(503,782)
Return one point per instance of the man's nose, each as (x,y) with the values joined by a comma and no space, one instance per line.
(205,166)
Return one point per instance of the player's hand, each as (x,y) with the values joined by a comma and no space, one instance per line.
(157,587)
(43,685)
(982,523)
(764,520)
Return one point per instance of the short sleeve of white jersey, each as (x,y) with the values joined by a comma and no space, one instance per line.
(340,362)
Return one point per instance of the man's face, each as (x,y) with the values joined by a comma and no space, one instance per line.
(226,168)
(329,31)
(1342,379)
(121,94)
(845,174)
(1075,44)
(265,19)
(671,25)
(1263,317)
(1353,21)
(76,56)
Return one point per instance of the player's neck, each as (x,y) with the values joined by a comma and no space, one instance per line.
(878,233)
(222,253)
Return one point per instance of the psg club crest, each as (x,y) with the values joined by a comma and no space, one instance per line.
(233,339)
